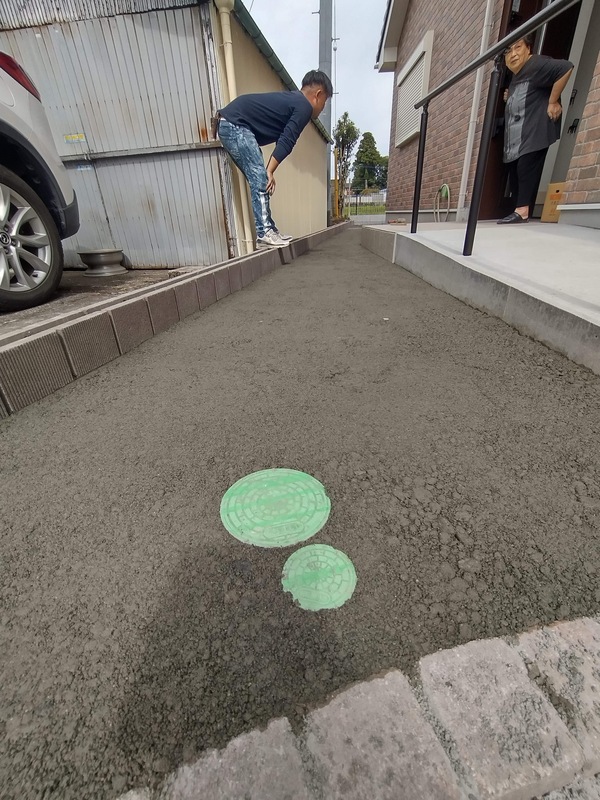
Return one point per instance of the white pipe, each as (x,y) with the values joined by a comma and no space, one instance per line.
(485,39)
(225,7)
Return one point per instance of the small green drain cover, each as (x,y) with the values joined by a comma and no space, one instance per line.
(318,577)
(275,508)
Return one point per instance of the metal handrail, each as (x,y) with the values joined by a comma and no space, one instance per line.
(495,52)
(541,18)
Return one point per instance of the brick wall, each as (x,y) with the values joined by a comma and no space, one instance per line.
(457,30)
(583,178)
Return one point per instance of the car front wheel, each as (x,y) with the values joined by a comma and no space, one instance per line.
(31,255)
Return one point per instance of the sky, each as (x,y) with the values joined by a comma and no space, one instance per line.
(293,32)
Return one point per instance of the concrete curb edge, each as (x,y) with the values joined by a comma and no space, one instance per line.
(574,337)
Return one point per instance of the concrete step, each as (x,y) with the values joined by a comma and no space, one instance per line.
(541,279)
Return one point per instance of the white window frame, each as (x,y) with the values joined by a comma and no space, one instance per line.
(424,52)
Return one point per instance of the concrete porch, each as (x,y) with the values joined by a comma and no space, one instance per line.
(543,279)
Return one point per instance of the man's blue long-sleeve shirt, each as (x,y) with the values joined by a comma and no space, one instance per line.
(272,117)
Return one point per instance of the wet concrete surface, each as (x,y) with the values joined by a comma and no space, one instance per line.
(461,460)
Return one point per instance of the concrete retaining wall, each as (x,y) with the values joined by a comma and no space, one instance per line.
(380,242)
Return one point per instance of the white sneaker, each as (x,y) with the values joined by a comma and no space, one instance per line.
(272,239)
(285,237)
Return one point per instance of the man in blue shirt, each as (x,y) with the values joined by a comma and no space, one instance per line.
(253,120)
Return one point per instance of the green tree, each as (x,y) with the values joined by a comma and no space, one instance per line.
(367,165)
(345,136)
(382,173)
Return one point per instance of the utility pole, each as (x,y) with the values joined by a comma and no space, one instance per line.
(325,59)
(336,185)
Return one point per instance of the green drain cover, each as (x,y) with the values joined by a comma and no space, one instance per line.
(275,508)
(318,577)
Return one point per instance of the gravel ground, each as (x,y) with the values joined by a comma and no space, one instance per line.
(461,460)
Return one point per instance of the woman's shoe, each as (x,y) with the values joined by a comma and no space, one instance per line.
(512,219)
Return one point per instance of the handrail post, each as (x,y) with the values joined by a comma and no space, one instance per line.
(419,175)
(482,158)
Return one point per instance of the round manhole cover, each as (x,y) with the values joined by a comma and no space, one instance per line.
(275,508)
(318,577)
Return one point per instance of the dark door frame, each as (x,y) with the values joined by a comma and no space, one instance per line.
(495,203)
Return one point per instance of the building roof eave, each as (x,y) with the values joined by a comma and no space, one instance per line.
(249,25)
(393,24)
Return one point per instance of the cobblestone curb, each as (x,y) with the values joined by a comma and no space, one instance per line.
(511,719)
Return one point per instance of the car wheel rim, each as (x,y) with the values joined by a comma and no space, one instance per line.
(25,251)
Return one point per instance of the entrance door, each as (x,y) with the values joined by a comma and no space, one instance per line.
(584,53)
(555,40)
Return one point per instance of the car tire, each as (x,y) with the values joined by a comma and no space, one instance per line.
(31,254)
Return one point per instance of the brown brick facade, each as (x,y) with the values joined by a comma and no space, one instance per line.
(457,40)
(583,179)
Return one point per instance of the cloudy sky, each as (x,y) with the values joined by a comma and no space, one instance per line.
(293,32)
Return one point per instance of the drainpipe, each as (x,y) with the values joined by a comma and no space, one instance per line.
(464,181)
(225,7)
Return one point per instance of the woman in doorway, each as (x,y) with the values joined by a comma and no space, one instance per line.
(532,121)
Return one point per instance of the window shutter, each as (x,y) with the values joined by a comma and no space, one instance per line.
(410,91)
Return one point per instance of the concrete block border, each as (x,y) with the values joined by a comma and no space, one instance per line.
(235,277)
(576,338)
(89,343)
(163,310)
(207,291)
(32,369)
(56,352)
(132,323)
(222,283)
(186,295)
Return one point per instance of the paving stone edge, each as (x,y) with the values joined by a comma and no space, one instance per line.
(494,762)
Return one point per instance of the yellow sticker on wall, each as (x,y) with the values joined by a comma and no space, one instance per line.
(74,137)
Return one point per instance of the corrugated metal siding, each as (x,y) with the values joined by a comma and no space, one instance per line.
(165,209)
(126,83)
(28,13)
(133,83)
(95,230)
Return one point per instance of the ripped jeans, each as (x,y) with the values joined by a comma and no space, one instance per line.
(243,148)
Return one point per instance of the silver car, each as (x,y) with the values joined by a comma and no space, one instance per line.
(38,207)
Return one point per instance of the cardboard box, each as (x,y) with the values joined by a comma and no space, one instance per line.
(554,197)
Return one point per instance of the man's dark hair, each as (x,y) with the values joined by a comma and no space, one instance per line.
(317,78)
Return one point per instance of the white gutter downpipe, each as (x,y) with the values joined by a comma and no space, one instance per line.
(464,181)
(225,7)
